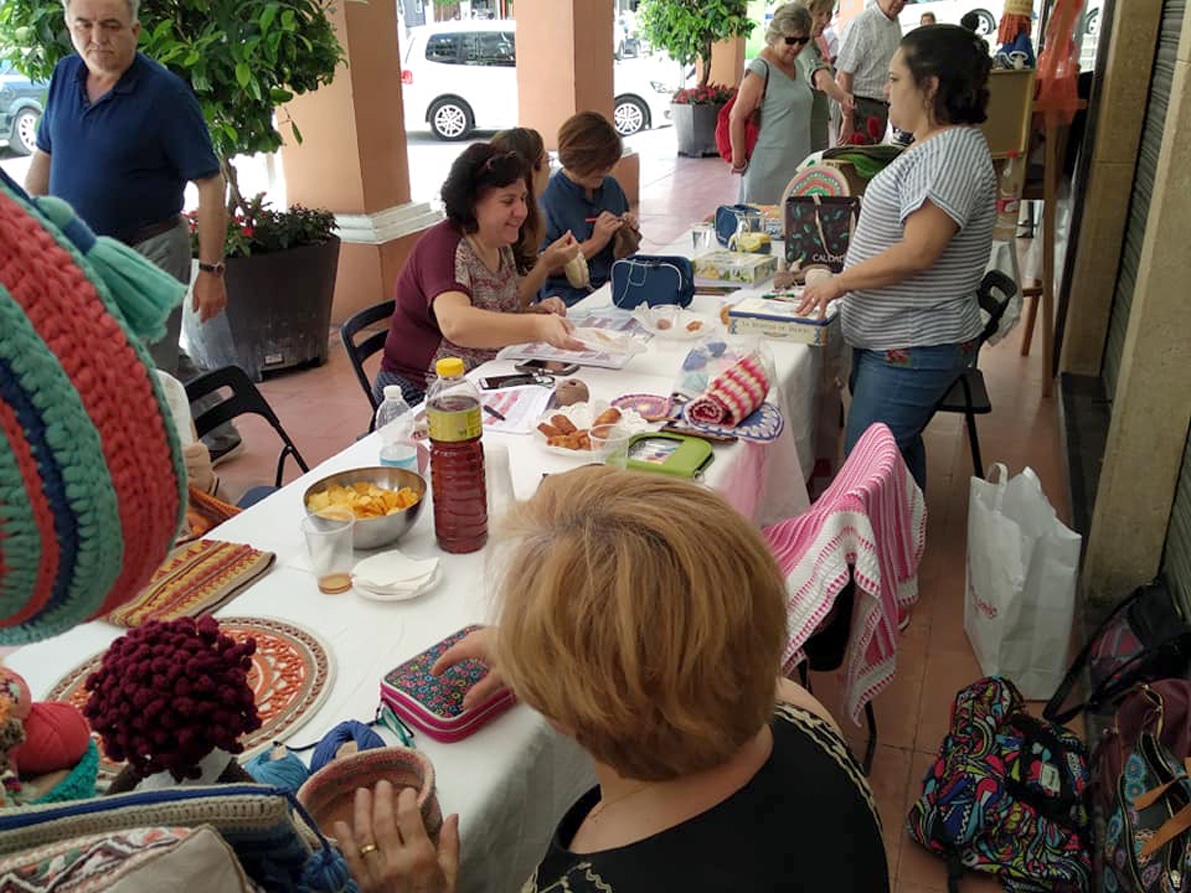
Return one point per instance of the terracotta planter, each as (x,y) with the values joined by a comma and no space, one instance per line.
(694,125)
(278,311)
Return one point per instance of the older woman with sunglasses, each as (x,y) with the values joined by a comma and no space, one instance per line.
(460,293)
(775,84)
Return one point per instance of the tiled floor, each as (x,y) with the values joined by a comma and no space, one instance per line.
(324,410)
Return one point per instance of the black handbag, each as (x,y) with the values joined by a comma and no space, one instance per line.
(1144,639)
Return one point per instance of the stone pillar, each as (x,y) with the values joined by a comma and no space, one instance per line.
(1119,122)
(353,161)
(1152,405)
(727,62)
(564,62)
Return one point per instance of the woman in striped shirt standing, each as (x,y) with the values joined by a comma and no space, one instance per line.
(909,284)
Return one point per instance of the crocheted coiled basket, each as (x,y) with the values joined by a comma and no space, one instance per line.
(92,485)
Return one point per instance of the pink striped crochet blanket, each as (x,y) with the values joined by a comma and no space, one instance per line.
(869,526)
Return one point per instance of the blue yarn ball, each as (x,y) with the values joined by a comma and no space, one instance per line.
(349,730)
(286,771)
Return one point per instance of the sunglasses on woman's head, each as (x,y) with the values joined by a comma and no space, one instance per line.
(796,41)
(491,162)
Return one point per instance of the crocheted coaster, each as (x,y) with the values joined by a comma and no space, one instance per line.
(195,580)
(290,677)
(819,179)
(90,468)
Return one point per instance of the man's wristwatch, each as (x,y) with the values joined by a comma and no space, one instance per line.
(215,268)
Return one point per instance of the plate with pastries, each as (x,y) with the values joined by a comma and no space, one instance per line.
(588,429)
(675,323)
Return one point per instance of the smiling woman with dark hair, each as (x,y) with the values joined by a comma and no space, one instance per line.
(459,293)
(910,308)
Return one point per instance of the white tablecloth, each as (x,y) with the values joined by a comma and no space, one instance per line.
(511,781)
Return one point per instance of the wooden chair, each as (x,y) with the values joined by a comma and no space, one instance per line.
(245,399)
(359,351)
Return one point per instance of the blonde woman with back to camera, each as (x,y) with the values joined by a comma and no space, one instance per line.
(645,619)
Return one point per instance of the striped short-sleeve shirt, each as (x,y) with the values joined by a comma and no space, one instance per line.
(953,171)
(869,42)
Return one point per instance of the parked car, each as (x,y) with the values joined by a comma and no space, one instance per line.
(949,12)
(462,76)
(21,104)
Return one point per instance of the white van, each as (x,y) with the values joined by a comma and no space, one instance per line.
(462,76)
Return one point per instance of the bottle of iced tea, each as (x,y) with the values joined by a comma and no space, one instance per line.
(457,459)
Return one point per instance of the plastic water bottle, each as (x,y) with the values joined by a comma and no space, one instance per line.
(457,459)
(395,422)
(1009,185)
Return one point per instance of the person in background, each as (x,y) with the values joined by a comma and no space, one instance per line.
(714,774)
(817,70)
(459,292)
(869,43)
(775,83)
(120,139)
(584,199)
(909,285)
(528,143)
(928,18)
(971,21)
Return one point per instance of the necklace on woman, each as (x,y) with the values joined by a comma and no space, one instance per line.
(603,805)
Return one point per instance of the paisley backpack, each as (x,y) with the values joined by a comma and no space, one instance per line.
(1005,796)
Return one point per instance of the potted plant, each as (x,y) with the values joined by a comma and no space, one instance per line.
(281,269)
(695,111)
(244,59)
(686,30)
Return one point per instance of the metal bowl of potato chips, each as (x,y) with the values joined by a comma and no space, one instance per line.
(385,502)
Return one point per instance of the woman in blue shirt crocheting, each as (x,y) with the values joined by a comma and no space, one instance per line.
(585,199)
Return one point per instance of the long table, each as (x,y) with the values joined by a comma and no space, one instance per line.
(511,781)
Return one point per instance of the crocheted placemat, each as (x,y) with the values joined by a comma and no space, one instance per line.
(195,580)
(290,677)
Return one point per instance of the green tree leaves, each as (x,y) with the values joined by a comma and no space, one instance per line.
(686,29)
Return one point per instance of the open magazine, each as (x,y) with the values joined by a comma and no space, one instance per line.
(610,338)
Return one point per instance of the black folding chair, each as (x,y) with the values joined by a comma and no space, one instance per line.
(969,395)
(245,399)
(825,651)
(359,352)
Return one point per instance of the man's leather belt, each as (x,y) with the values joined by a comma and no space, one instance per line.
(160,228)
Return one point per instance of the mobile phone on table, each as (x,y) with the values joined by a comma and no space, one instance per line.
(553,367)
(517,379)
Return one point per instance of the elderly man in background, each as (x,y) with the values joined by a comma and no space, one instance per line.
(867,48)
(120,139)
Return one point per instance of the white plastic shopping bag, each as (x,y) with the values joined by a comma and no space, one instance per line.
(1021,573)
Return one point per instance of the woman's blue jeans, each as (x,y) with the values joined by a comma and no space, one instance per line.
(901,388)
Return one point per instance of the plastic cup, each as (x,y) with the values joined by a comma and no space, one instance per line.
(329,545)
(611,444)
(702,237)
(498,479)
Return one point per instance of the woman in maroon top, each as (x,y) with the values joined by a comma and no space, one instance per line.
(459,293)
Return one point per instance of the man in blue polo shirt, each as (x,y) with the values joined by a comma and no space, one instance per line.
(120,139)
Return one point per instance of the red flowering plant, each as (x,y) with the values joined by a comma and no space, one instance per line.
(255,228)
(704,94)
